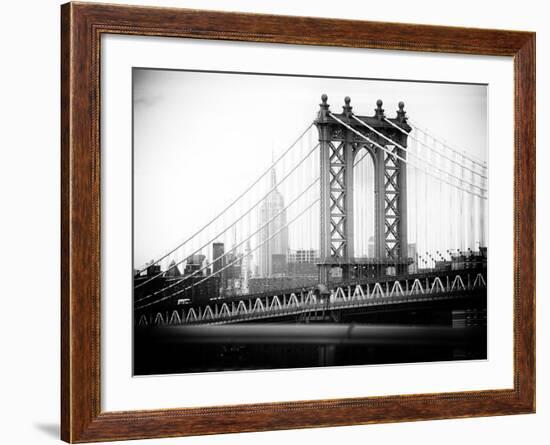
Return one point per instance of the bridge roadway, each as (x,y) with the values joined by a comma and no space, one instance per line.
(382,291)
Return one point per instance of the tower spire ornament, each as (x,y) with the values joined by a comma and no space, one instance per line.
(273,179)
(401,113)
(347,107)
(379,111)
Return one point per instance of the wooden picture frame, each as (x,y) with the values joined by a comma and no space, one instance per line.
(82,25)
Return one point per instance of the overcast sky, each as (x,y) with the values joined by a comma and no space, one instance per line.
(201,138)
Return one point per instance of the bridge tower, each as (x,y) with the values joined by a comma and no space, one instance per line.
(340,140)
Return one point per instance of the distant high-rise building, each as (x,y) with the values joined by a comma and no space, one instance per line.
(371,248)
(302,262)
(173,270)
(218,250)
(153,270)
(194,264)
(412,253)
(233,268)
(303,256)
(411,250)
(245,268)
(274,237)
(233,265)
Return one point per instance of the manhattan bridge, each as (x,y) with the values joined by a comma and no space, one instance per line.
(362,219)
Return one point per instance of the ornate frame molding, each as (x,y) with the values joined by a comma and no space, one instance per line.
(82,25)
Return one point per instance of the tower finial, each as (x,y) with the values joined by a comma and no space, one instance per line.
(401,113)
(323,109)
(379,111)
(347,107)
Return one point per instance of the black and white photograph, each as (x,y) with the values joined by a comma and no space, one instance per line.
(285,221)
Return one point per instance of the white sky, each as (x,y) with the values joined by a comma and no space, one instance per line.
(202,138)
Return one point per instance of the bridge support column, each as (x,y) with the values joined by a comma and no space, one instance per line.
(336,194)
(324,202)
(380,203)
(403,238)
(349,231)
(403,224)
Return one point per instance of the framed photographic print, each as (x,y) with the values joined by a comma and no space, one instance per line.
(275,222)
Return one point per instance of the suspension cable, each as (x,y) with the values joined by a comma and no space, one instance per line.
(402,159)
(234,247)
(391,141)
(259,201)
(445,144)
(232,202)
(231,263)
(412,136)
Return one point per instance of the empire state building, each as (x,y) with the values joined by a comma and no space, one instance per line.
(272,253)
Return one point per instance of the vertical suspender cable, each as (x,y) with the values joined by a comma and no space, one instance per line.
(426,219)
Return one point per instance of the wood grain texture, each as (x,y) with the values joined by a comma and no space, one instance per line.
(81,29)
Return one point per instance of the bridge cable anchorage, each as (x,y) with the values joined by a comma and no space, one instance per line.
(390,153)
(258,202)
(429,147)
(237,245)
(231,263)
(445,144)
(273,164)
(391,141)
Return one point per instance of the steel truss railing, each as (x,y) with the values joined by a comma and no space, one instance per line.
(400,290)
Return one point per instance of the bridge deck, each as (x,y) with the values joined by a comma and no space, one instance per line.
(417,288)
